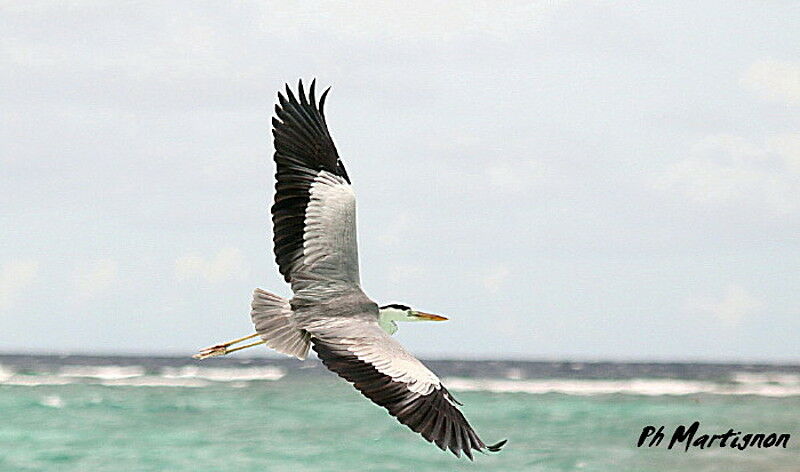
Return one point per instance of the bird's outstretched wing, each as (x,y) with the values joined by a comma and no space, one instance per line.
(383,371)
(314,212)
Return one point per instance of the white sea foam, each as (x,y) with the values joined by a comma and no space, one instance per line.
(514,374)
(53,401)
(36,380)
(155,381)
(5,373)
(650,387)
(136,376)
(224,374)
(778,378)
(103,372)
(143,381)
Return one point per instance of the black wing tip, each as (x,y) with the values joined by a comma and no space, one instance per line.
(301,105)
(304,98)
(497,446)
(434,424)
(322,101)
(451,397)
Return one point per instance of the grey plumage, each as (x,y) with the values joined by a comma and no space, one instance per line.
(314,226)
(272,317)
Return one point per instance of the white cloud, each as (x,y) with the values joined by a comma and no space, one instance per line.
(402,274)
(521,176)
(227,264)
(787,146)
(774,80)
(396,230)
(730,170)
(14,277)
(418,19)
(94,278)
(494,281)
(735,305)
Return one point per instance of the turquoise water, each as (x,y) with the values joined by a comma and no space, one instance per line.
(318,423)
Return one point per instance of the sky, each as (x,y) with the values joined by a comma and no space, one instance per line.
(571,180)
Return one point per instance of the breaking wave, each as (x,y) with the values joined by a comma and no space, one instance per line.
(558,378)
(782,385)
(104,372)
(137,376)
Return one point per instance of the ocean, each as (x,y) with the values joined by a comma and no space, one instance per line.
(82,413)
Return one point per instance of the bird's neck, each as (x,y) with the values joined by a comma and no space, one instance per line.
(387,325)
(387,318)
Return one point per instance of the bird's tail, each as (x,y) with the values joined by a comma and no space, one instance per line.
(272,317)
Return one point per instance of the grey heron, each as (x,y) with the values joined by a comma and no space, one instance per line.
(314,227)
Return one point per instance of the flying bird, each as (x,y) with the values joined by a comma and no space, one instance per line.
(314,227)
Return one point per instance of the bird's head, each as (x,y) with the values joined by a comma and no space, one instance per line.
(388,315)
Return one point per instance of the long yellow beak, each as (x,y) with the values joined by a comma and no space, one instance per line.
(430,316)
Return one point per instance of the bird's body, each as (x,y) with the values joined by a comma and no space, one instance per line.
(315,247)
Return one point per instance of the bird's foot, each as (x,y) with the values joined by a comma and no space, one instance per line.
(222,349)
(212,351)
